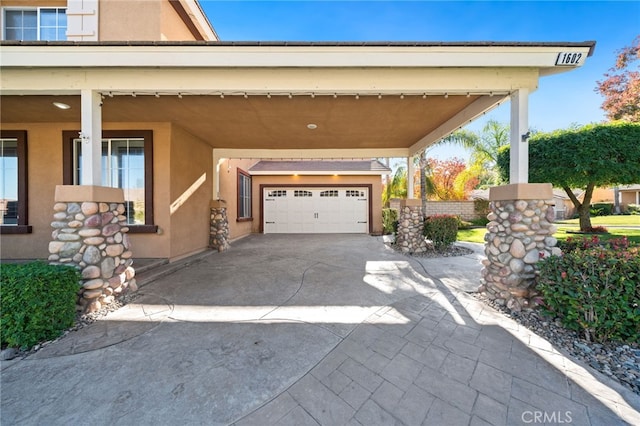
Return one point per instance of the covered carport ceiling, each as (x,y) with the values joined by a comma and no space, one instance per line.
(259,122)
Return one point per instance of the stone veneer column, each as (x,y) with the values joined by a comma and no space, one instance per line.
(219,228)
(90,233)
(519,234)
(410,238)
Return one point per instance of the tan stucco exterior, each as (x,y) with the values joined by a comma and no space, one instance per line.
(179,160)
(141,21)
(629,197)
(228,187)
(138,20)
(45,172)
(191,166)
(183,189)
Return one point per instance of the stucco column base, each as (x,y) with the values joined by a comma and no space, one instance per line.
(519,233)
(219,226)
(410,238)
(90,232)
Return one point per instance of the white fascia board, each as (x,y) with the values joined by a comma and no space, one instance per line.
(190,56)
(320,173)
(387,80)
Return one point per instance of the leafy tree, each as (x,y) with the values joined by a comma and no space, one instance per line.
(586,157)
(450,179)
(484,148)
(396,186)
(621,86)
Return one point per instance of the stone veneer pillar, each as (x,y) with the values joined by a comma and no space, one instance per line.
(519,234)
(90,233)
(219,227)
(410,238)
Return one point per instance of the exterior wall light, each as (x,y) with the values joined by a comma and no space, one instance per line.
(61,105)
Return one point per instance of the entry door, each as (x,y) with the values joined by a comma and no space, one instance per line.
(314,210)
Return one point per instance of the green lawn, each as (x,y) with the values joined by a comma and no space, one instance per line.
(476,235)
(617,220)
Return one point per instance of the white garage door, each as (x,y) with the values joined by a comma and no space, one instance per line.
(316,210)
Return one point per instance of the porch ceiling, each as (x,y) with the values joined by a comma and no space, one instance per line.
(259,122)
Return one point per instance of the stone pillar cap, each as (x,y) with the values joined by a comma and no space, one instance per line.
(521,191)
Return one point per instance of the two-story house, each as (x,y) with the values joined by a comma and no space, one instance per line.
(142,96)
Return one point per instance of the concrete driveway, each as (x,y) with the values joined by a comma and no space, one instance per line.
(314,329)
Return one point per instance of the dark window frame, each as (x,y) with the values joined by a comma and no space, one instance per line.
(22,226)
(242,174)
(68,136)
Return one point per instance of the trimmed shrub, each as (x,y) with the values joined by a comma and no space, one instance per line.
(390,221)
(442,230)
(481,207)
(601,209)
(633,209)
(37,302)
(593,289)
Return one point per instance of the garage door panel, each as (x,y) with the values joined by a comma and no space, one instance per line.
(316,210)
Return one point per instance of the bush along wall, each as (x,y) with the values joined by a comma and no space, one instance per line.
(442,230)
(37,302)
(390,221)
(593,289)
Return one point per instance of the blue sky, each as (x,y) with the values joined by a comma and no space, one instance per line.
(560,100)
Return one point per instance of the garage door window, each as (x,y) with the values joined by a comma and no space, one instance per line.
(298,193)
(244,195)
(329,193)
(277,193)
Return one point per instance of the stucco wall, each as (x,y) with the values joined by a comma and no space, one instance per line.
(44,144)
(154,245)
(136,20)
(228,185)
(44,153)
(602,195)
(628,197)
(171,26)
(191,166)
(131,20)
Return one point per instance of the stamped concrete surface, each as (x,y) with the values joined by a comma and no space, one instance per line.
(313,329)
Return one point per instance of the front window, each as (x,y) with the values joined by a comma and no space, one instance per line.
(43,23)
(13,182)
(126,163)
(244,195)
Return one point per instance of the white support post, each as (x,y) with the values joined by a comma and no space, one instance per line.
(91,136)
(519,168)
(411,171)
(217,162)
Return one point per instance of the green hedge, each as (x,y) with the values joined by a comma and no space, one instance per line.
(601,209)
(593,288)
(390,221)
(37,302)
(441,229)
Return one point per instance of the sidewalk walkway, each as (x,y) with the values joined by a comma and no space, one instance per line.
(311,330)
